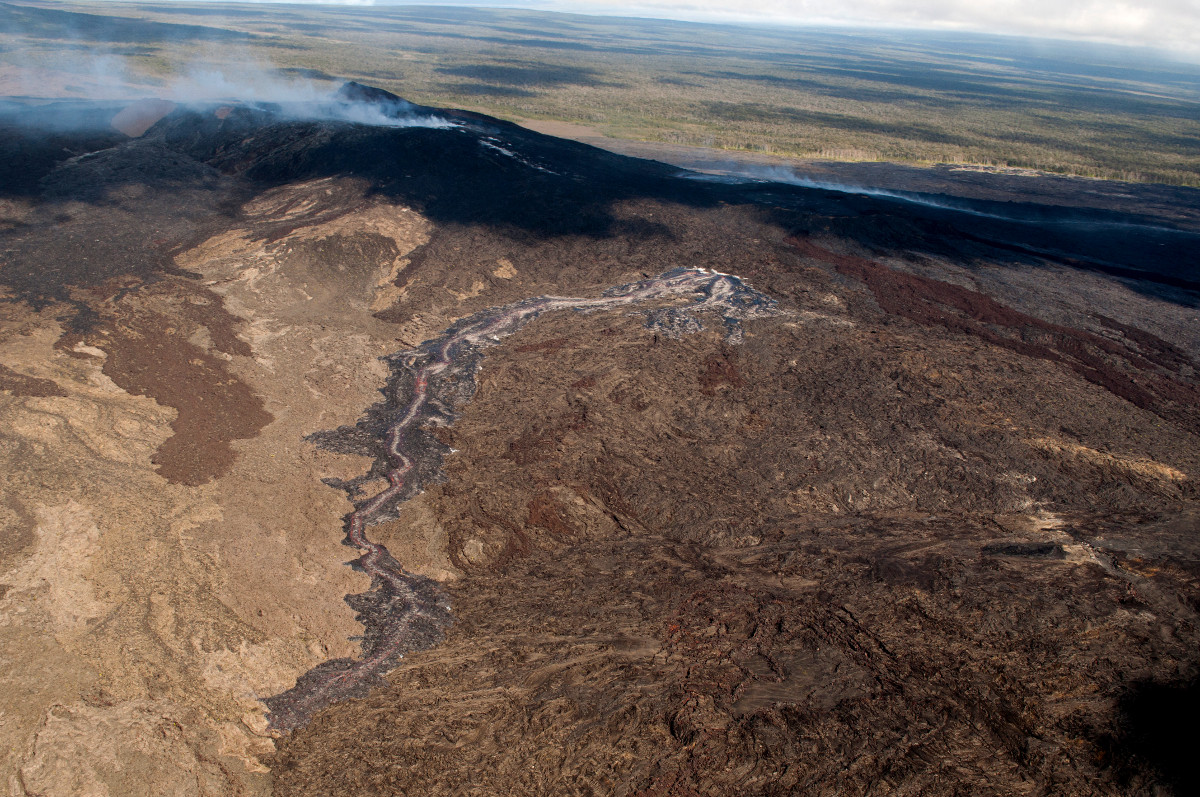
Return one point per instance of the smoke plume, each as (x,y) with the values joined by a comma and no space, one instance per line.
(59,55)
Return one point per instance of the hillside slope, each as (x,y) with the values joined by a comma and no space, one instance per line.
(909,505)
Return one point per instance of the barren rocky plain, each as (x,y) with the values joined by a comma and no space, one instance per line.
(653,483)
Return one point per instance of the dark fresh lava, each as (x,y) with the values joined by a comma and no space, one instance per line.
(404,612)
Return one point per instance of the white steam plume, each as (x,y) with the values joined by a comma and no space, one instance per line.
(735,173)
(296,98)
(85,70)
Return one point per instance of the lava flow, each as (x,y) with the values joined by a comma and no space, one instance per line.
(404,612)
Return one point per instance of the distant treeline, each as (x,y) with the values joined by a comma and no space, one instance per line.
(813,93)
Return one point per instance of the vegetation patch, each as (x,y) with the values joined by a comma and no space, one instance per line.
(810,93)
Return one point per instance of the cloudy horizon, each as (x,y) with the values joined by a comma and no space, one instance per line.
(1171,26)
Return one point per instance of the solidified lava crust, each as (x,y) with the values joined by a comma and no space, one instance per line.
(403,612)
(1143,369)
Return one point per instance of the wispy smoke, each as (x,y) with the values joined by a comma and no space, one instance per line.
(780,174)
(735,173)
(742,173)
(295,98)
(68,64)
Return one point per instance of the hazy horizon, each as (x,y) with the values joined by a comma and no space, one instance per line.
(865,94)
(1169,27)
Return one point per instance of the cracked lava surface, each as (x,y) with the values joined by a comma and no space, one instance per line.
(402,611)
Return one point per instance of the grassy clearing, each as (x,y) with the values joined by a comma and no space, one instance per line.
(915,98)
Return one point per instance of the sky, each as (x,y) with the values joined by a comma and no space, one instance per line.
(1172,25)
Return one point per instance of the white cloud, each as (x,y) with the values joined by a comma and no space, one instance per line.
(1166,24)
(1170,25)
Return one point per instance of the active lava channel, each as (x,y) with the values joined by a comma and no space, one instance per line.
(404,612)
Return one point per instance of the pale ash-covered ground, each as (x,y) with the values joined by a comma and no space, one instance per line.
(142,619)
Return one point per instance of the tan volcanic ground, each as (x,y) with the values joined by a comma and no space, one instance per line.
(914,534)
(136,609)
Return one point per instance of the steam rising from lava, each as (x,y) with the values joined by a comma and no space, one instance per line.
(102,76)
(304,99)
(735,173)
